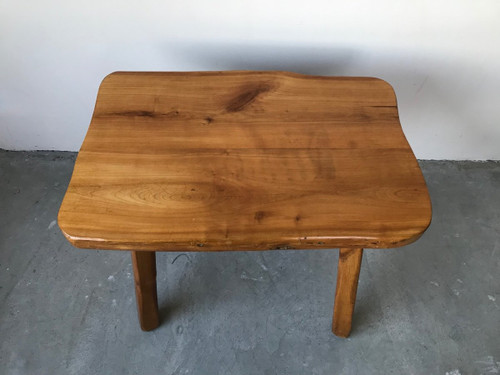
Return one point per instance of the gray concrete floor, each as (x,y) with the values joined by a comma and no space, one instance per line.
(432,307)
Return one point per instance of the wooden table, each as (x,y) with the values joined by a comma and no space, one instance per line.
(211,161)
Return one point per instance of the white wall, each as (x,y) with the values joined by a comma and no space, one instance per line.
(442,57)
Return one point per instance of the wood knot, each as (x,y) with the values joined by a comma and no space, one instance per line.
(246,96)
(259,215)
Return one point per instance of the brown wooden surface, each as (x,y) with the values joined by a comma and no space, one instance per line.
(244,161)
(347,286)
(144,264)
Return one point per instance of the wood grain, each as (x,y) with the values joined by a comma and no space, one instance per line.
(244,161)
(347,286)
(144,264)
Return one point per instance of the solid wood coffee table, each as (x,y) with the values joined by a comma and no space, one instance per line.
(212,161)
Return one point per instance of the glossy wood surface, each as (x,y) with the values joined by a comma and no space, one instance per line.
(347,286)
(244,161)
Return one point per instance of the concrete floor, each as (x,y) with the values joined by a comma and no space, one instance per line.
(432,307)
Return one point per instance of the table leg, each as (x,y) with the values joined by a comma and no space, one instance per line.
(347,285)
(144,263)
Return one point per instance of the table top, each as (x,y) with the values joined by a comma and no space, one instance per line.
(241,160)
